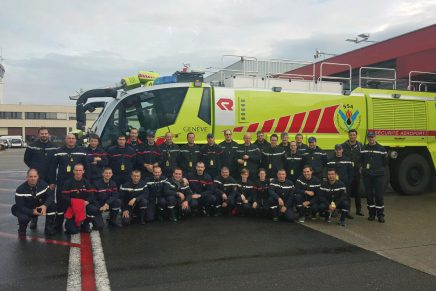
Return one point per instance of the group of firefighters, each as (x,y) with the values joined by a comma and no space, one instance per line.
(143,181)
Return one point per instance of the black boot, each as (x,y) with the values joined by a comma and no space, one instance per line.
(371,211)
(142,216)
(342,219)
(275,213)
(22,229)
(50,225)
(59,221)
(359,212)
(113,218)
(33,222)
(172,214)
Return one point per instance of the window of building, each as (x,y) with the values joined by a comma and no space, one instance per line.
(42,115)
(11,115)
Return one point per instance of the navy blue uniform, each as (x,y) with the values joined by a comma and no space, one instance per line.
(247,189)
(139,191)
(38,155)
(353,152)
(171,187)
(189,156)
(317,159)
(302,148)
(273,159)
(27,198)
(95,171)
(82,189)
(211,157)
(334,193)
(170,158)
(253,153)
(149,154)
(122,161)
(293,166)
(226,186)
(228,158)
(156,197)
(373,160)
(203,185)
(285,191)
(107,193)
(262,197)
(303,185)
(344,169)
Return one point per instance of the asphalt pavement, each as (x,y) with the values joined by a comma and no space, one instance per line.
(214,253)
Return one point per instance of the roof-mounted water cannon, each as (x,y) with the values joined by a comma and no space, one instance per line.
(144,78)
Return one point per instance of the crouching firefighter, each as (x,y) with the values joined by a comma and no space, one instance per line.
(134,198)
(177,192)
(156,200)
(307,192)
(34,198)
(107,198)
(333,196)
(282,198)
(78,197)
(225,192)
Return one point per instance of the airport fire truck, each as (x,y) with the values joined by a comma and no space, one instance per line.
(246,102)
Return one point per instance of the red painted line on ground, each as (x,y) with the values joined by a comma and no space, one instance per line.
(87,262)
(40,240)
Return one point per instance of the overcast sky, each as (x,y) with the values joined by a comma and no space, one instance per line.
(53,48)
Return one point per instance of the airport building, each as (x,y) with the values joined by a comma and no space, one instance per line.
(24,120)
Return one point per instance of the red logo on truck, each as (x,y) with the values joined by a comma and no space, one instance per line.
(225,104)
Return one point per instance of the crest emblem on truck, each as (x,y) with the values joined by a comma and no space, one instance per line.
(348,118)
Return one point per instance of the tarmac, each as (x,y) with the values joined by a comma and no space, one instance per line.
(217,253)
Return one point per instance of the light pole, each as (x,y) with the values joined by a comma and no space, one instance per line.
(319,53)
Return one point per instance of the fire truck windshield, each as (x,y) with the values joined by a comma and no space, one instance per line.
(146,110)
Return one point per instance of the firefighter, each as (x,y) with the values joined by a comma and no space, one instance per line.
(39,154)
(352,149)
(34,198)
(261,186)
(189,154)
(316,158)
(281,191)
(170,155)
(333,196)
(229,148)
(262,144)
(133,139)
(301,147)
(307,192)
(177,193)
(96,158)
(373,162)
(149,155)
(155,186)
(107,198)
(122,159)
(245,194)
(211,155)
(343,168)
(225,191)
(79,198)
(201,185)
(134,195)
(248,155)
(273,157)
(285,141)
(61,169)
(294,163)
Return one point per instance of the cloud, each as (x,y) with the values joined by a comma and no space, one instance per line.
(54,48)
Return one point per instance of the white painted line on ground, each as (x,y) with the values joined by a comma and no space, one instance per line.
(74,282)
(12,171)
(101,276)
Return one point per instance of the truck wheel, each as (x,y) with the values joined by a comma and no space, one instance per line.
(395,184)
(414,175)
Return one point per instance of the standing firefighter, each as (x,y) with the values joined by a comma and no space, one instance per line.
(273,157)
(229,148)
(248,155)
(122,159)
(39,154)
(211,154)
(352,149)
(148,155)
(316,158)
(34,198)
(373,161)
(189,154)
(96,158)
(170,155)
(294,163)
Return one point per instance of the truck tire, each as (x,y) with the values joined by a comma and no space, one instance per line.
(393,166)
(414,175)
